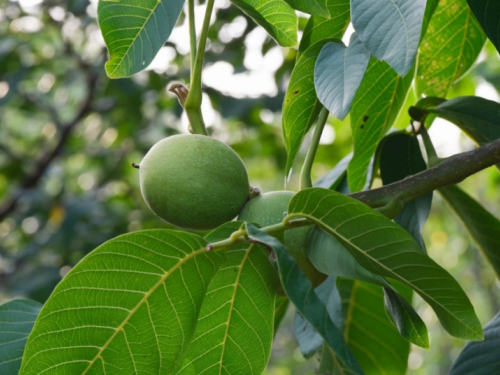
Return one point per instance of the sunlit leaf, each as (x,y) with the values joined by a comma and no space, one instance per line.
(385,248)
(130,306)
(338,73)
(301,106)
(16,322)
(376,106)
(313,7)
(333,27)
(134,32)
(275,16)
(235,327)
(450,47)
(390,29)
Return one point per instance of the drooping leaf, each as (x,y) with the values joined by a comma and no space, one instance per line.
(301,106)
(329,365)
(338,73)
(376,106)
(333,27)
(275,16)
(390,29)
(280,309)
(483,227)
(400,156)
(16,322)
(312,7)
(134,32)
(235,328)
(487,13)
(481,358)
(450,47)
(373,339)
(310,341)
(300,291)
(385,248)
(329,256)
(130,306)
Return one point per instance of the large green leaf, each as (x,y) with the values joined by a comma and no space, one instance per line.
(301,106)
(130,306)
(376,106)
(338,73)
(390,29)
(16,322)
(400,156)
(385,248)
(481,358)
(313,7)
(333,27)
(372,337)
(134,31)
(483,227)
(450,47)
(300,291)
(487,13)
(330,257)
(275,16)
(235,328)
(280,309)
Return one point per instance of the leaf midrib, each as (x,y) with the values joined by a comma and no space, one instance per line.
(140,303)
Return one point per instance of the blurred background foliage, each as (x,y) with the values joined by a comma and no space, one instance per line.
(68,136)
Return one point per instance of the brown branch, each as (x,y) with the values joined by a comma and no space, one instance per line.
(450,171)
(41,164)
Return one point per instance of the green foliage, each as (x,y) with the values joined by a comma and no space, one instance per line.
(390,30)
(16,322)
(276,16)
(338,73)
(134,33)
(137,296)
(488,15)
(313,7)
(450,47)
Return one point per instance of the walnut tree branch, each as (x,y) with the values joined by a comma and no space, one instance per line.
(450,171)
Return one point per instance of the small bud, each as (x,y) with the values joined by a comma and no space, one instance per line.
(180,91)
(254,192)
(136,166)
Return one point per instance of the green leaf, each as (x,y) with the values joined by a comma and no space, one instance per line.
(481,358)
(483,227)
(300,291)
(235,327)
(478,117)
(333,178)
(338,73)
(134,32)
(275,16)
(16,322)
(390,29)
(487,13)
(319,28)
(301,106)
(280,309)
(309,340)
(400,156)
(313,7)
(376,106)
(450,47)
(330,365)
(368,331)
(329,256)
(130,306)
(385,248)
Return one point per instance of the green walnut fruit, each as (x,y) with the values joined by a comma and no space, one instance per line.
(269,209)
(194,181)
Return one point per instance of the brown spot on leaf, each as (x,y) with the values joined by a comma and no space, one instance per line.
(295,92)
(365,119)
(362,126)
